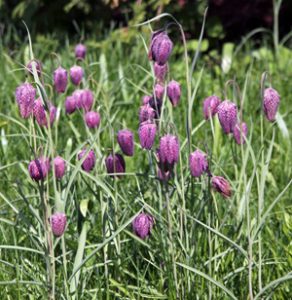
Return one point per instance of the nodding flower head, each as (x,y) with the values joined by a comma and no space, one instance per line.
(210,106)
(70,104)
(173,92)
(158,91)
(80,51)
(142,225)
(169,150)
(58,223)
(240,133)
(126,141)
(76,74)
(40,115)
(77,94)
(115,163)
(92,119)
(25,96)
(160,71)
(146,112)
(86,99)
(89,162)
(60,79)
(146,99)
(39,168)
(160,47)
(59,167)
(227,113)
(38,67)
(221,185)
(198,163)
(147,133)
(271,103)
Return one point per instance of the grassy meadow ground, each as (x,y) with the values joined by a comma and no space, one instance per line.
(202,246)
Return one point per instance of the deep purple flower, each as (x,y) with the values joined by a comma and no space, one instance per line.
(227,113)
(80,51)
(77,94)
(89,162)
(198,163)
(240,132)
(160,47)
(59,167)
(169,149)
(126,141)
(38,66)
(146,99)
(60,79)
(160,71)
(76,74)
(39,168)
(70,104)
(156,104)
(25,96)
(92,119)
(58,223)
(173,92)
(146,112)
(40,115)
(210,106)
(158,91)
(142,225)
(86,98)
(221,185)
(115,163)
(147,133)
(271,103)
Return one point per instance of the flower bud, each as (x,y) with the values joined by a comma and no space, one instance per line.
(58,223)
(146,112)
(198,163)
(147,133)
(25,96)
(77,94)
(210,106)
(60,80)
(76,74)
(53,113)
(59,167)
(40,115)
(38,66)
(221,185)
(70,104)
(227,113)
(115,163)
(89,162)
(39,168)
(92,119)
(169,149)
(158,91)
(126,141)
(271,103)
(240,133)
(160,47)
(173,92)
(142,225)
(86,98)
(80,51)
(160,71)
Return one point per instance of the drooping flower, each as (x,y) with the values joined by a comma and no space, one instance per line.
(58,223)
(80,51)
(271,103)
(25,96)
(86,98)
(40,115)
(59,167)
(198,163)
(227,113)
(169,149)
(240,132)
(77,94)
(142,225)
(53,113)
(173,92)
(160,71)
(158,91)
(125,139)
(39,168)
(60,79)
(70,104)
(221,185)
(160,47)
(115,163)
(38,66)
(146,112)
(147,133)
(89,162)
(92,119)
(76,74)
(210,106)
